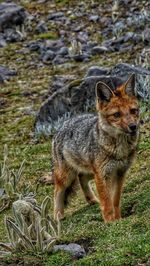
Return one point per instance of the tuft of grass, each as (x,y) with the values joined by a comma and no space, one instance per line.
(47,35)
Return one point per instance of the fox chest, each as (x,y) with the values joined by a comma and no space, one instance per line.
(113,168)
(118,159)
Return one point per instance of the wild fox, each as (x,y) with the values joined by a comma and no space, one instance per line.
(98,146)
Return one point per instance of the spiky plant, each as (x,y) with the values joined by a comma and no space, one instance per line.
(9,180)
(32,228)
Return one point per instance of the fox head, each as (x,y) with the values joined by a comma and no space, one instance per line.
(118,109)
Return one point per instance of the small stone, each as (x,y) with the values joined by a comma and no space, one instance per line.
(59,60)
(75,249)
(99,50)
(34,46)
(55,46)
(2,41)
(6,73)
(41,27)
(2,192)
(11,35)
(63,51)
(81,57)
(48,56)
(55,16)
(94,18)
(129,35)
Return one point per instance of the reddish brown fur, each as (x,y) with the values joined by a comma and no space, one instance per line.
(120,102)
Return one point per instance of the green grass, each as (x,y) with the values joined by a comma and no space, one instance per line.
(116,244)
(47,35)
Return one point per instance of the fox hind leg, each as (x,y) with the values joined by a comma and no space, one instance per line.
(86,188)
(63,178)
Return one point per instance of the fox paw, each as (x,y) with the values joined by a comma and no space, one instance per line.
(58,215)
(109,217)
(92,201)
(47,179)
(117,213)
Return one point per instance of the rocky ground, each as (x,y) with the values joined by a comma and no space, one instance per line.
(49,46)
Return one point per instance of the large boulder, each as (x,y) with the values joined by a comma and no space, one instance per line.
(76,98)
(124,69)
(79,96)
(11,15)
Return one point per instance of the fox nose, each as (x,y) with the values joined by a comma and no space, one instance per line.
(132,127)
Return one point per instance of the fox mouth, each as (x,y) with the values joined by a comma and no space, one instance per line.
(131,133)
(128,131)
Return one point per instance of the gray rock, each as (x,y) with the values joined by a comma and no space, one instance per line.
(142,78)
(97,71)
(99,50)
(145,54)
(79,96)
(75,249)
(6,73)
(41,27)
(59,60)
(88,46)
(2,192)
(76,98)
(82,37)
(128,36)
(11,15)
(56,16)
(63,51)
(81,57)
(114,44)
(11,35)
(55,46)
(59,81)
(137,38)
(124,69)
(35,46)
(94,18)
(48,56)
(125,48)
(2,41)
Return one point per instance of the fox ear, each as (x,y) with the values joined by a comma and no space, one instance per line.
(130,86)
(103,92)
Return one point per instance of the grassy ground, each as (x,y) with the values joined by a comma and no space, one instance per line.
(121,243)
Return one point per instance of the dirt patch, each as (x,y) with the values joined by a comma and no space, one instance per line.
(86,243)
(130,209)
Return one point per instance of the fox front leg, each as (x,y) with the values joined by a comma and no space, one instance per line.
(106,203)
(117,186)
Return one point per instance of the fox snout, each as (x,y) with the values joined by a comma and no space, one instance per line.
(133,128)
(128,123)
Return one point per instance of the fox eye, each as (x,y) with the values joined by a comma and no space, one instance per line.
(117,114)
(133,111)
